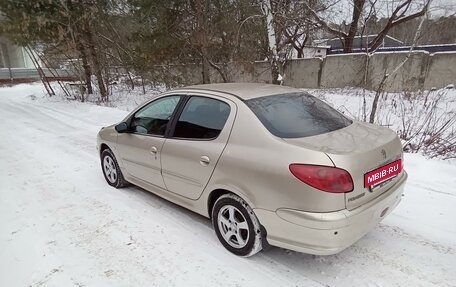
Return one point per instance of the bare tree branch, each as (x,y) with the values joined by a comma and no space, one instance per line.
(395,20)
(324,24)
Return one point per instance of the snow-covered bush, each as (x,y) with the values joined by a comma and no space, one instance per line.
(425,121)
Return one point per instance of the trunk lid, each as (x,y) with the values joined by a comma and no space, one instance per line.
(359,149)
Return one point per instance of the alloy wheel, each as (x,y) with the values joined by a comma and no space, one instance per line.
(233,226)
(109,168)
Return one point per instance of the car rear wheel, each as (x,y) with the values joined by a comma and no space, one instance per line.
(236,226)
(111,170)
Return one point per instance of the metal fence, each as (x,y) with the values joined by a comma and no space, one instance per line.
(21,74)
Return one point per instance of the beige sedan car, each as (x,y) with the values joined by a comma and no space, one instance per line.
(270,165)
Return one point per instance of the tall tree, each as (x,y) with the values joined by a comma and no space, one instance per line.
(66,26)
(293,27)
(272,41)
(203,32)
(403,11)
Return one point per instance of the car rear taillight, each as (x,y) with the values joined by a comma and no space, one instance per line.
(325,178)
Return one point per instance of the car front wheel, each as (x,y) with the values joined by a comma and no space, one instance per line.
(236,225)
(111,169)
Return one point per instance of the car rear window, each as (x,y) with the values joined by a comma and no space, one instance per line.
(296,115)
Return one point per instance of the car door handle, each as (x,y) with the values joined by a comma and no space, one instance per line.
(153,150)
(204,160)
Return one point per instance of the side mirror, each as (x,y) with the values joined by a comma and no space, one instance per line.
(122,127)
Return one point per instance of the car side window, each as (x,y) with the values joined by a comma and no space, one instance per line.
(153,118)
(202,118)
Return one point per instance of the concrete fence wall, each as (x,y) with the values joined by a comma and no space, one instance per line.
(419,71)
(441,70)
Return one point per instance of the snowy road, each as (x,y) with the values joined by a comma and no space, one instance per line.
(62,225)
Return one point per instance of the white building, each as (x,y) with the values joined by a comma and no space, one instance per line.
(310,52)
(12,56)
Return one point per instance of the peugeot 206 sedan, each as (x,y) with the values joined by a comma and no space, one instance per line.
(268,164)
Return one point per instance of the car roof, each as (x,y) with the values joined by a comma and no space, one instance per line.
(244,91)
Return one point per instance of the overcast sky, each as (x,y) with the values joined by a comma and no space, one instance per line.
(343,8)
(446,7)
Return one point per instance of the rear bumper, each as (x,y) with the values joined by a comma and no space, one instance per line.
(327,233)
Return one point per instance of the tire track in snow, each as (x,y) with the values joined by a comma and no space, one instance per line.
(98,235)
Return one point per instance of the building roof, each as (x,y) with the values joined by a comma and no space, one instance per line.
(363,41)
(434,48)
(244,91)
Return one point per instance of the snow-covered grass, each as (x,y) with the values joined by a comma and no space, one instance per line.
(121,96)
(425,121)
(62,225)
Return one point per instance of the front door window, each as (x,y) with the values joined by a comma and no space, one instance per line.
(153,118)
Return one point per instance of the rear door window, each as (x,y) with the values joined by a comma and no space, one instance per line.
(296,115)
(202,118)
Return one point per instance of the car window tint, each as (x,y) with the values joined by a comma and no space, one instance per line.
(297,115)
(202,118)
(154,117)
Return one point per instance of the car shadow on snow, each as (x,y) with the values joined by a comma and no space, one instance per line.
(384,248)
(180,213)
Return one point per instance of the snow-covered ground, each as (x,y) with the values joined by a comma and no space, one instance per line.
(62,225)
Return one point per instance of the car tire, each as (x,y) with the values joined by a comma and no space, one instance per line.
(111,170)
(236,225)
